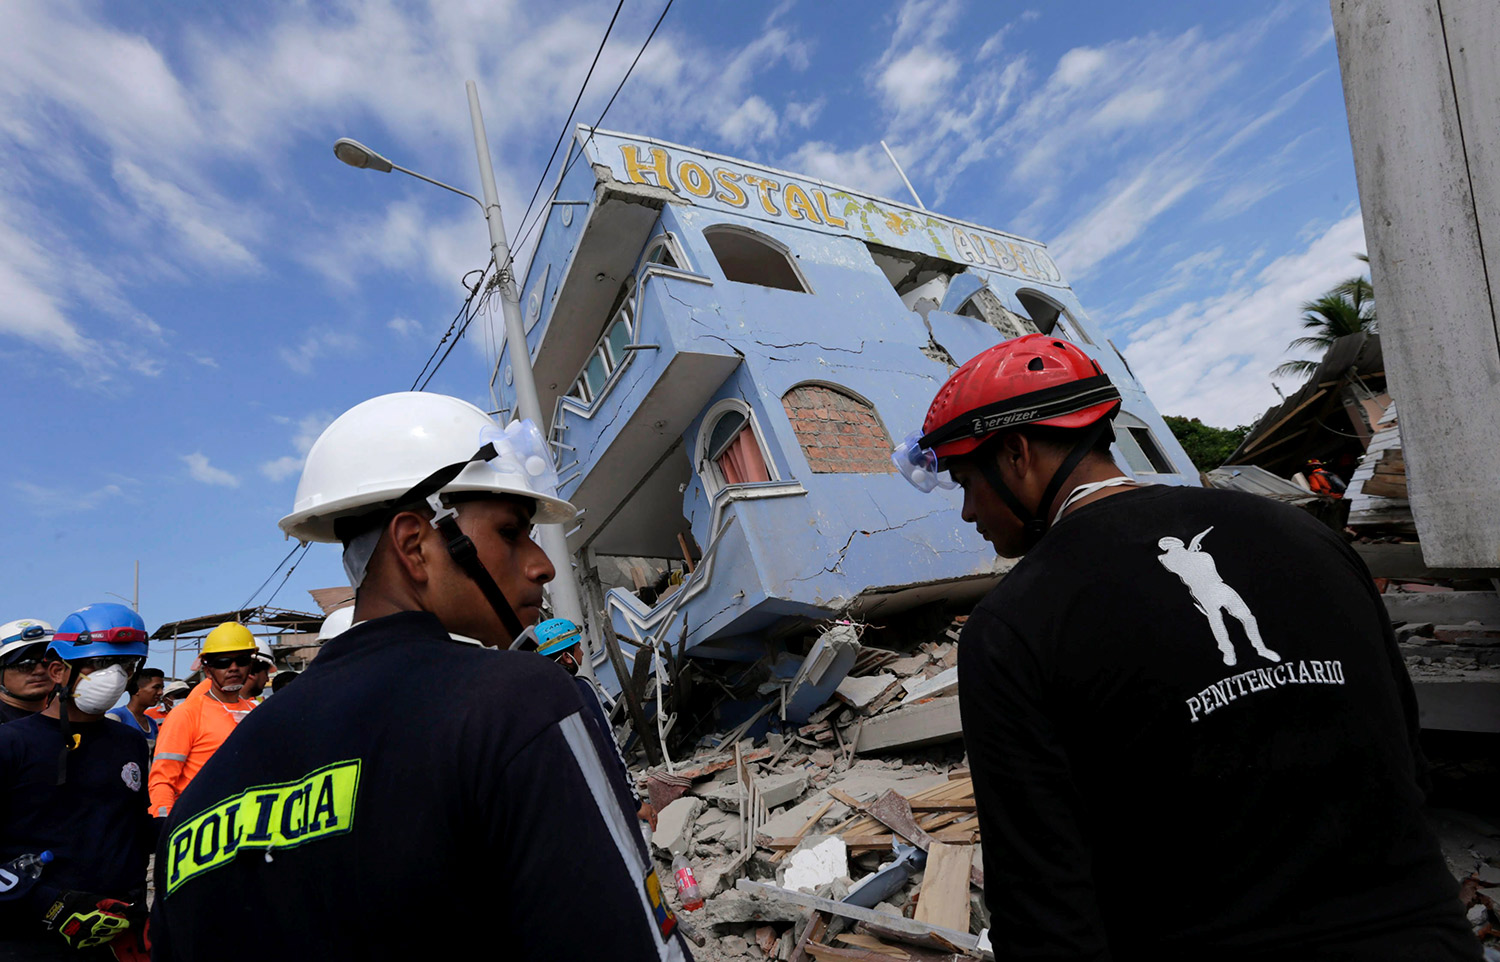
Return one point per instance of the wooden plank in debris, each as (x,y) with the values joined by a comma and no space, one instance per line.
(709,768)
(817,927)
(806,827)
(893,810)
(872,842)
(961,941)
(944,805)
(885,954)
(911,726)
(945,886)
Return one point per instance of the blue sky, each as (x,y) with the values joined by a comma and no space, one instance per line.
(191,286)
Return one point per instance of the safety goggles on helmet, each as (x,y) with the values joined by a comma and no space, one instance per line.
(919,465)
(221,662)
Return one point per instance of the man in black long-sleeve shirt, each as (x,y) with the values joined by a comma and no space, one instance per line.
(1191,732)
(343,826)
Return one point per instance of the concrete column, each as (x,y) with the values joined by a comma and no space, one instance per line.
(1420,81)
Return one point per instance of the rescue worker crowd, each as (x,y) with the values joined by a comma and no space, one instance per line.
(1127,810)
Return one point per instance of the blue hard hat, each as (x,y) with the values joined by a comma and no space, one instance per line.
(100,630)
(555,635)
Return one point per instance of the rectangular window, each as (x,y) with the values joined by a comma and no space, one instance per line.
(1142,452)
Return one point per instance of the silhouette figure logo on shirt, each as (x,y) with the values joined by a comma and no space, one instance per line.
(1211,596)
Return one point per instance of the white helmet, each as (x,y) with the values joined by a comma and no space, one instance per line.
(338,621)
(264,656)
(23,633)
(378,450)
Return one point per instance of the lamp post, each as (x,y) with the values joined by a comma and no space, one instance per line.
(564,592)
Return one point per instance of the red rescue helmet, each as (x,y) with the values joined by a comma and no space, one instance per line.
(1035,379)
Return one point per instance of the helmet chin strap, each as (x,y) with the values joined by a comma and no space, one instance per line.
(1034,524)
(460,547)
(64,723)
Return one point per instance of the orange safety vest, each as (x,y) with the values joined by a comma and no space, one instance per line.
(191,733)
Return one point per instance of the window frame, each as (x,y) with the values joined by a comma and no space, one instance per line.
(1125,426)
(765,240)
(1063,315)
(707,469)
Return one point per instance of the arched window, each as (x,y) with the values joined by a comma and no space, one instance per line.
(664,250)
(1047,314)
(609,353)
(839,432)
(1138,445)
(752,258)
(730,450)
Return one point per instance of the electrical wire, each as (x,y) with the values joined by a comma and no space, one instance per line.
(527,228)
(562,134)
(468,316)
(465,314)
(270,576)
(288,577)
(462,315)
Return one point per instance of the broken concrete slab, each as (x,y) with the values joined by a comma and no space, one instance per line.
(1448,607)
(859,692)
(943,683)
(818,860)
(910,665)
(777,788)
(674,825)
(912,726)
(734,907)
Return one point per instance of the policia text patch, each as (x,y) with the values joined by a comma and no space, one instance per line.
(317,805)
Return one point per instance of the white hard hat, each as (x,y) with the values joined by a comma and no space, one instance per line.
(23,633)
(378,450)
(264,655)
(337,622)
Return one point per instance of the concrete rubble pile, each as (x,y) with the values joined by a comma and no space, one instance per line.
(854,835)
(820,841)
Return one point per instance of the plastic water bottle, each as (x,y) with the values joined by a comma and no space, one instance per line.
(687,884)
(17,875)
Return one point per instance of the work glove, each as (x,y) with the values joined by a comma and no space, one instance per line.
(134,945)
(84,919)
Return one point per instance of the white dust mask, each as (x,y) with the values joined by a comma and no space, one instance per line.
(97,691)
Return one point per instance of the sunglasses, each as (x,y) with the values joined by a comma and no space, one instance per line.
(220,662)
(128,662)
(25,664)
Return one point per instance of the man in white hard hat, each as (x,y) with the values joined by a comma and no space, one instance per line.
(350,830)
(24,685)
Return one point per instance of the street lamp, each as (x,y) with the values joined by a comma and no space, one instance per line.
(566,600)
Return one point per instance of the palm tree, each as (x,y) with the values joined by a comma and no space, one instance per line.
(1348,308)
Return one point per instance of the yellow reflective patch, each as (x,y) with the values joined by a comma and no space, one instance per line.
(318,805)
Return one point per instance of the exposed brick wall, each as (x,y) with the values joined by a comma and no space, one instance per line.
(838,434)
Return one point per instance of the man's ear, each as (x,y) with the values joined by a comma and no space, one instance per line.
(409,537)
(58,672)
(1014,454)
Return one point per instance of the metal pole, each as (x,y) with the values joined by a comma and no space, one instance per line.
(564,588)
(897,165)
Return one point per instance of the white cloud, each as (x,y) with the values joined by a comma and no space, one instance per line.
(917,78)
(867,167)
(752,121)
(404,326)
(200,470)
(309,427)
(282,468)
(1212,359)
(1132,204)
(200,224)
(300,357)
(51,500)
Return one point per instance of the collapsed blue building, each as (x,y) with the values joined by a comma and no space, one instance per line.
(728,353)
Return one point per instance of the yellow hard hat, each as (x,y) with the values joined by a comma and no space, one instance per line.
(230,636)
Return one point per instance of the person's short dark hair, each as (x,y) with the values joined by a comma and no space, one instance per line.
(141,677)
(282,679)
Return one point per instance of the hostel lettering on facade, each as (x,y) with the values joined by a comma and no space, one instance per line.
(702,180)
